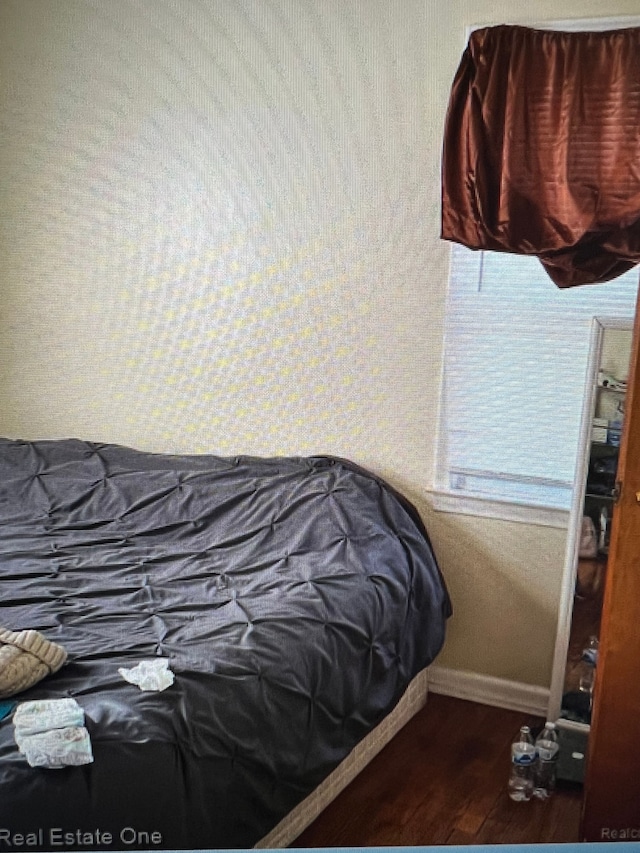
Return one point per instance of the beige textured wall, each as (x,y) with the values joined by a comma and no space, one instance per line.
(221,229)
(220,234)
(504,578)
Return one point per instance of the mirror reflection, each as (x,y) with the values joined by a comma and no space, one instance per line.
(599,500)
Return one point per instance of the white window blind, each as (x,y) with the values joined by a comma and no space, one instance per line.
(516,356)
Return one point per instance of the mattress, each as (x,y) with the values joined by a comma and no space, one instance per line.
(294,599)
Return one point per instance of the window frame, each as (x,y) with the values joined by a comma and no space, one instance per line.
(531,509)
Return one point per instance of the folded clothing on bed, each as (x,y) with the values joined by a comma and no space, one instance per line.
(51,733)
(31,718)
(66,747)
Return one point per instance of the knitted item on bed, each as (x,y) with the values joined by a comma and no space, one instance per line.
(25,658)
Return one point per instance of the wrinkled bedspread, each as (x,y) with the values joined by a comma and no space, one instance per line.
(295,598)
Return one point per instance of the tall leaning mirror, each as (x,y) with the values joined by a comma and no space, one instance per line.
(575,666)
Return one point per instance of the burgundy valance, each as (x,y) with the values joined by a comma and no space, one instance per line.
(542,149)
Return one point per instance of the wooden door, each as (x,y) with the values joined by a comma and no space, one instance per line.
(611,807)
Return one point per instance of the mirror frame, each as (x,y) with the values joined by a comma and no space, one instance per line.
(565,608)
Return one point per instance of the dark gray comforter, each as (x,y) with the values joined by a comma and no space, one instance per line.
(295,598)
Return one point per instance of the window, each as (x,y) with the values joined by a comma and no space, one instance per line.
(516,359)
(515,368)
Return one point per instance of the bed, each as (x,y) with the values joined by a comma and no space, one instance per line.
(298,604)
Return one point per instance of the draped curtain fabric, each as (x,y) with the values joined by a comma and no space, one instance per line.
(542,150)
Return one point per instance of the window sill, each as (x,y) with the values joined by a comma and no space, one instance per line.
(466,504)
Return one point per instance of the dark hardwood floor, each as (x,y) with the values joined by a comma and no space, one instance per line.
(443,780)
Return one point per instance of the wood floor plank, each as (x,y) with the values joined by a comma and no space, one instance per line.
(443,780)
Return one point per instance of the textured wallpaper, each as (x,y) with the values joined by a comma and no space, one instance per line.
(222,227)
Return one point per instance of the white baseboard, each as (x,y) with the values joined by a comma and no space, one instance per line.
(488,690)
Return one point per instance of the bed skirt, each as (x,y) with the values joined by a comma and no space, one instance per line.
(303,815)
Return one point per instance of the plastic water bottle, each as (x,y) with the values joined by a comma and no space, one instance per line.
(547,749)
(590,653)
(588,663)
(523,757)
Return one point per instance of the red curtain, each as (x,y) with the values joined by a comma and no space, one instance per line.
(542,150)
